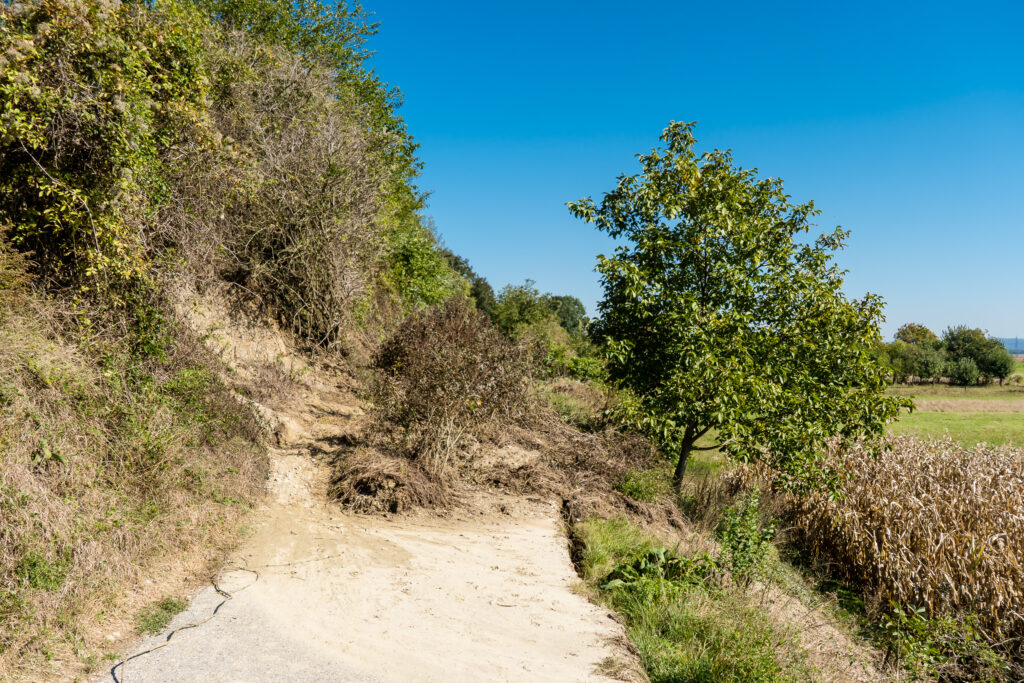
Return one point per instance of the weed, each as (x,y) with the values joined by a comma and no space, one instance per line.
(948,647)
(685,625)
(154,617)
(42,573)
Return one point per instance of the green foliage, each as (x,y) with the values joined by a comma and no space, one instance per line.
(914,333)
(685,627)
(38,571)
(716,317)
(240,140)
(963,372)
(660,563)
(587,369)
(519,307)
(964,342)
(926,361)
(947,647)
(154,617)
(480,290)
(570,313)
(747,549)
(996,362)
(95,95)
(419,270)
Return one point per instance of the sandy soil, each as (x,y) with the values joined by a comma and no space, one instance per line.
(485,593)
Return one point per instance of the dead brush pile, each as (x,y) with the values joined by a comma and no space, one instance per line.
(928,524)
(443,376)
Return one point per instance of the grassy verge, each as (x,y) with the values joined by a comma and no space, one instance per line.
(686,622)
(154,617)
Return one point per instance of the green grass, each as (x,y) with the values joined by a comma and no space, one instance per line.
(647,485)
(686,632)
(154,617)
(967,428)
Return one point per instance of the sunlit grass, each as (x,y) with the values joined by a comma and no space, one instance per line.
(967,428)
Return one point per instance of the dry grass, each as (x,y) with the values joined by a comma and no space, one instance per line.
(928,524)
(969,405)
(111,463)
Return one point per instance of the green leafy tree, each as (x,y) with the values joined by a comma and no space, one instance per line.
(964,342)
(929,364)
(913,333)
(996,361)
(480,289)
(519,307)
(963,372)
(902,359)
(569,311)
(718,320)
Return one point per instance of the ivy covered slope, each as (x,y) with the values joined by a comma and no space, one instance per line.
(149,149)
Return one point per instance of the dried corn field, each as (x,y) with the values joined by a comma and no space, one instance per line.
(930,524)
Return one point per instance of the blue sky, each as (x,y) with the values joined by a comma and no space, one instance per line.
(904,122)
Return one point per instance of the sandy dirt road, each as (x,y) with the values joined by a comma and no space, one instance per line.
(485,594)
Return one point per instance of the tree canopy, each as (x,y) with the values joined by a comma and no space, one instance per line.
(717,319)
(914,333)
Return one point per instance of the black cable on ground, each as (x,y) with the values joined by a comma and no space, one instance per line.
(220,591)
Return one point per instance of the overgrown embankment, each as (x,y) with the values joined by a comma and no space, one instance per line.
(149,151)
(119,448)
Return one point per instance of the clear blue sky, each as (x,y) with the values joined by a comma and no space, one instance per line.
(903,121)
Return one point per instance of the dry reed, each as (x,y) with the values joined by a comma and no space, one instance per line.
(929,524)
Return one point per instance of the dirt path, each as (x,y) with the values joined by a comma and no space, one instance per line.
(321,595)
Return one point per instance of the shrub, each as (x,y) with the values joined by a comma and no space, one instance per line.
(446,372)
(96,95)
(747,549)
(587,369)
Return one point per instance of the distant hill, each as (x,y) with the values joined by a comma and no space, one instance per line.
(1013,344)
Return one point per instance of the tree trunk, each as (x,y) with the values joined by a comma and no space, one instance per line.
(684,455)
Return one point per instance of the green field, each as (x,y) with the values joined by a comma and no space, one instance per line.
(968,428)
(970,416)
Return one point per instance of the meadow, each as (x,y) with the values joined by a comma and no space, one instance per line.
(992,414)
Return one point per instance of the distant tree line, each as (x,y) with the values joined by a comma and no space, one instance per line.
(965,356)
(558,322)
